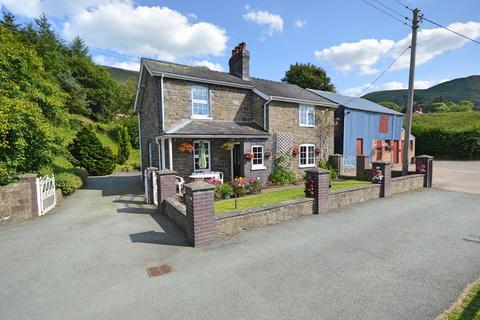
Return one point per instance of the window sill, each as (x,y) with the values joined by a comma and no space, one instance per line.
(256,168)
(306,166)
(201,117)
(307,126)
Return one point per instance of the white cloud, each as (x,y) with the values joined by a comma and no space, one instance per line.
(355,91)
(393,85)
(132,64)
(299,23)
(148,31)
(418,84)
(274,22)
(368,52)
(210,65)
(365,69)
(364,53)
(34,8)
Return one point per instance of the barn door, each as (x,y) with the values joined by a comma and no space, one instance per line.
(359,146)
(396,151)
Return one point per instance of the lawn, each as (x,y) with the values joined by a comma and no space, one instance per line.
(267,198)
(467,307)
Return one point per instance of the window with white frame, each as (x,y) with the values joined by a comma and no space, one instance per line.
(307,116)
(201,156)
(200,102)
(258,160)
(307,155)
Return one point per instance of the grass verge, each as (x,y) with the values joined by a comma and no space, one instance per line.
(467,307)
(264,199)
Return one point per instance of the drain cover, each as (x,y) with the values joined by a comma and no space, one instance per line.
(159,270)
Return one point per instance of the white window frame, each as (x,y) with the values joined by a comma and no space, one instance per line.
(262,165)
(307,146)
(305,108)
(207,102)
(209,155)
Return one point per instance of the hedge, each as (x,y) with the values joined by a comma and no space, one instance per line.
(68,182)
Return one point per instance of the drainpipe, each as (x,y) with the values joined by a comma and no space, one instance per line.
(163,104)
(265,113)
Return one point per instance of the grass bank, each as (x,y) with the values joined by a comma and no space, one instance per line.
(467,307)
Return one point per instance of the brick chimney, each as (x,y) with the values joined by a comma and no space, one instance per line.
(240,61)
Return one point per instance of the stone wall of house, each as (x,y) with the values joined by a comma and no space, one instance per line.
(284,117)
(226,103)
(232,223)
(263,174)
(16,202)
(407,183)
(150,121)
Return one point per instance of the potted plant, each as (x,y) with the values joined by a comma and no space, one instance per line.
(249,156)
(226,190)
(254,185)
(228,145)
(239,184)
(309,187)
(377,175)
(295,151)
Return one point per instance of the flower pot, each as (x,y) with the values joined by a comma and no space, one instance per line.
(226,196)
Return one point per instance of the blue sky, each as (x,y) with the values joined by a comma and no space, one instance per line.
(351,40)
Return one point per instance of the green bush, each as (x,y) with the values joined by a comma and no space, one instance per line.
(7,174)
(89,153)
(281,173)
(327,165)
(68,182)
(124,146)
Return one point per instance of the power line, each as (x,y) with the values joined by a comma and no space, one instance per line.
(392,10)
(378,78)
(403,5)
(457,33)
(385,12)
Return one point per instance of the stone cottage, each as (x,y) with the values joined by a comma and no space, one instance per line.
(199,122)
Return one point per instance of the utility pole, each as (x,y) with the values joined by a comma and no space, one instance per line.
(411,80)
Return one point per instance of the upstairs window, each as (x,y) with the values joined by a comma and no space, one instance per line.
(258,158)
(383,124)
(307,116)
(307,155)
(200,105)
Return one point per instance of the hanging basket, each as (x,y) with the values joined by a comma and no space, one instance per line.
(185,148)
(228,145)
(295,151)
(248,156)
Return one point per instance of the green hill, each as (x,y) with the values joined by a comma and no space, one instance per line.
(454,90)
(121,75)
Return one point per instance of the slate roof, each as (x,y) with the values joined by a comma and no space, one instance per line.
(194,127)
(276,89)
(355,103)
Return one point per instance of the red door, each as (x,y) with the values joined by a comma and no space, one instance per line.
(359,146)
(378,150)
(395,151)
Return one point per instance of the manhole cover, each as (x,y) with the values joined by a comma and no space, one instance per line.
(156,271)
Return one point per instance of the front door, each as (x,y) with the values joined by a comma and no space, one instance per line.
(395,151)
(237,161)
(378,150)
(359,146)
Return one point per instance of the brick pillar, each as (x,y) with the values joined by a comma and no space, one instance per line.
(363,164)
(165,186)
(201,225)
(31,180)
(386,186)
(148,184)
(321,181)
(424,164)
(337,162)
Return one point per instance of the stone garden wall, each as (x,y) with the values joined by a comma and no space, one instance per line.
(16,201)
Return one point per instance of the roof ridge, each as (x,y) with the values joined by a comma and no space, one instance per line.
(185,65)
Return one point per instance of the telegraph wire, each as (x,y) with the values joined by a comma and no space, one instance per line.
(446,28)
(385,12)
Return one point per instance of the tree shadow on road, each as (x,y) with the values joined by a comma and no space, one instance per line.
(116,185)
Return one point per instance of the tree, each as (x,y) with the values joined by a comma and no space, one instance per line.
(124,146)
(89,153)
(78,47)
(8,22)
(128,90)
(392,105)
(308,76)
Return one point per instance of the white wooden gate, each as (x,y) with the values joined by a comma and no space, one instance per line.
(46,194)
(146,180)
(154,188)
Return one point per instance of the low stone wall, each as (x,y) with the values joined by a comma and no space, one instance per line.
(234,222)
(407,183)
(176,211)
(16,202)
(347,197)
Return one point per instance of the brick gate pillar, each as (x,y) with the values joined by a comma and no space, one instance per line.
(386,185)
(337,162)
(201,225)
(321,183)
(424,164)
(363,163)
(165,186)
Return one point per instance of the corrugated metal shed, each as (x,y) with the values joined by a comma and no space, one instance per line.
(355,103)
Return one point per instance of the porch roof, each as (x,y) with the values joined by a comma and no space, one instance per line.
(207,128)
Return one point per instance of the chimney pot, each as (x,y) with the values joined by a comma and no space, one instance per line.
(240,61)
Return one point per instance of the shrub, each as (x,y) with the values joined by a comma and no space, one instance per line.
(282,173)
(89,153)
(123,145)
(327,165)
(68,182)
(7,174)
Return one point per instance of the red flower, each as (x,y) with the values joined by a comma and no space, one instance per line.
(249,156)
(317,150)
(295,151)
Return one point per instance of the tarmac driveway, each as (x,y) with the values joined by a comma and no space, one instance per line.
(457,175)
(406,257)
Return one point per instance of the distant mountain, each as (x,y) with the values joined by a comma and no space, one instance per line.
(454,90)
(121,75)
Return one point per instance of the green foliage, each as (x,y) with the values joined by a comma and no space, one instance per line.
(128,90)
(68,182)
(448,135)
(7,174)
(26,138)
(124,146)
(392,105)
(89,153)
(121,75)
(282,173)
(309,76)
(327,165)
(131,123)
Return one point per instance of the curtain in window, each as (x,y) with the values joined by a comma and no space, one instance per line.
(202,157)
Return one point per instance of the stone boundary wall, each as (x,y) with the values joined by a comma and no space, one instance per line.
(16,202)
(234,222)
(407,183)
(347,197)
(176,211)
